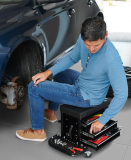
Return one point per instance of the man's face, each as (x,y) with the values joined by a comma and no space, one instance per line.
(94,46)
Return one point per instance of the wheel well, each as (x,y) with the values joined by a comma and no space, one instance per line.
(11,67)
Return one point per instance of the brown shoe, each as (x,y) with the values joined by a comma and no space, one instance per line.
(30,135)
(51,119)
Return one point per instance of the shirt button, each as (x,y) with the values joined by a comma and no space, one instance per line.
(88,57)
(86,62)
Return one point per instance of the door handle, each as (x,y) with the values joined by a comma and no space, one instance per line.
(89,3)
(71,0)
(70,12)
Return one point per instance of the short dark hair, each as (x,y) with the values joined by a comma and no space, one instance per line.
(93,28)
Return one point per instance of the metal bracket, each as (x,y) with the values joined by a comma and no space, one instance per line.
(70,130)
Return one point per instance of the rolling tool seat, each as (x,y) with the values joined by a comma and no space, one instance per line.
(75,120)
(75,126)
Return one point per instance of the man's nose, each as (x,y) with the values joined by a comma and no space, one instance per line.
(92,48)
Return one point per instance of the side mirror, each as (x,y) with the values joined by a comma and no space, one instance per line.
(49,1)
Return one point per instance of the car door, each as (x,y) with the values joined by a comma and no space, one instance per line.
(84,9)
(58,26)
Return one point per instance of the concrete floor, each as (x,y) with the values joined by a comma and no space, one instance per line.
(13,148)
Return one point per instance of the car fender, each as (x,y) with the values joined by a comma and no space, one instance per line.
(6,52)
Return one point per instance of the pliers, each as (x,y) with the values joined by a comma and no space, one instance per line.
(72,149)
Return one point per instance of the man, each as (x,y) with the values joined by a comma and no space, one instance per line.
(102,67)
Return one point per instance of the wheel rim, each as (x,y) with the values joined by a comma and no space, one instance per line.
(20,93)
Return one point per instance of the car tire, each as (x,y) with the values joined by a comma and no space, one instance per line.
(30,61)
(128,77)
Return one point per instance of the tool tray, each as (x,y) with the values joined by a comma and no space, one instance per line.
(64,149)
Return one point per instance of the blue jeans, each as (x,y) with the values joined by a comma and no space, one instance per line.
(63,90)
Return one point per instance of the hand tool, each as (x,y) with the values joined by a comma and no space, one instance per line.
(55,140)
(58,141)
(70,131)
(91,119)
(63,143)
(36,84)
(97,115)
(72,149)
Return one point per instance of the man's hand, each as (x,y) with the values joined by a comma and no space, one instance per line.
(96,127)
(41,77)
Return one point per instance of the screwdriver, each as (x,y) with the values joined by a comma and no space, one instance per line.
(97,115)
(35,85)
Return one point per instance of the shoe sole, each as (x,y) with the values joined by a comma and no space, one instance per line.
(50,120)
(26,139)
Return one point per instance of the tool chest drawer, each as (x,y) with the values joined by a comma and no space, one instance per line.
(85,128)
(101,141)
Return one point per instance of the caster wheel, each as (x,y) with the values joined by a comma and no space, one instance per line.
(88,154)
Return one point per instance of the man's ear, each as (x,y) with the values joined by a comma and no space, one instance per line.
(106,34)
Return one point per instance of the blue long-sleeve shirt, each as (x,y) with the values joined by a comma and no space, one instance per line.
(104,68)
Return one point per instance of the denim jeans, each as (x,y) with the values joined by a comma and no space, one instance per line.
(63,90)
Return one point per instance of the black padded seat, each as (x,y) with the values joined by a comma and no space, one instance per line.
(81,113)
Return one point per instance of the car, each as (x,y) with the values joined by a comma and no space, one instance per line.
(34,35)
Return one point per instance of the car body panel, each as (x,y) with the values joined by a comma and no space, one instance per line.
(49,25)
(63,33)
